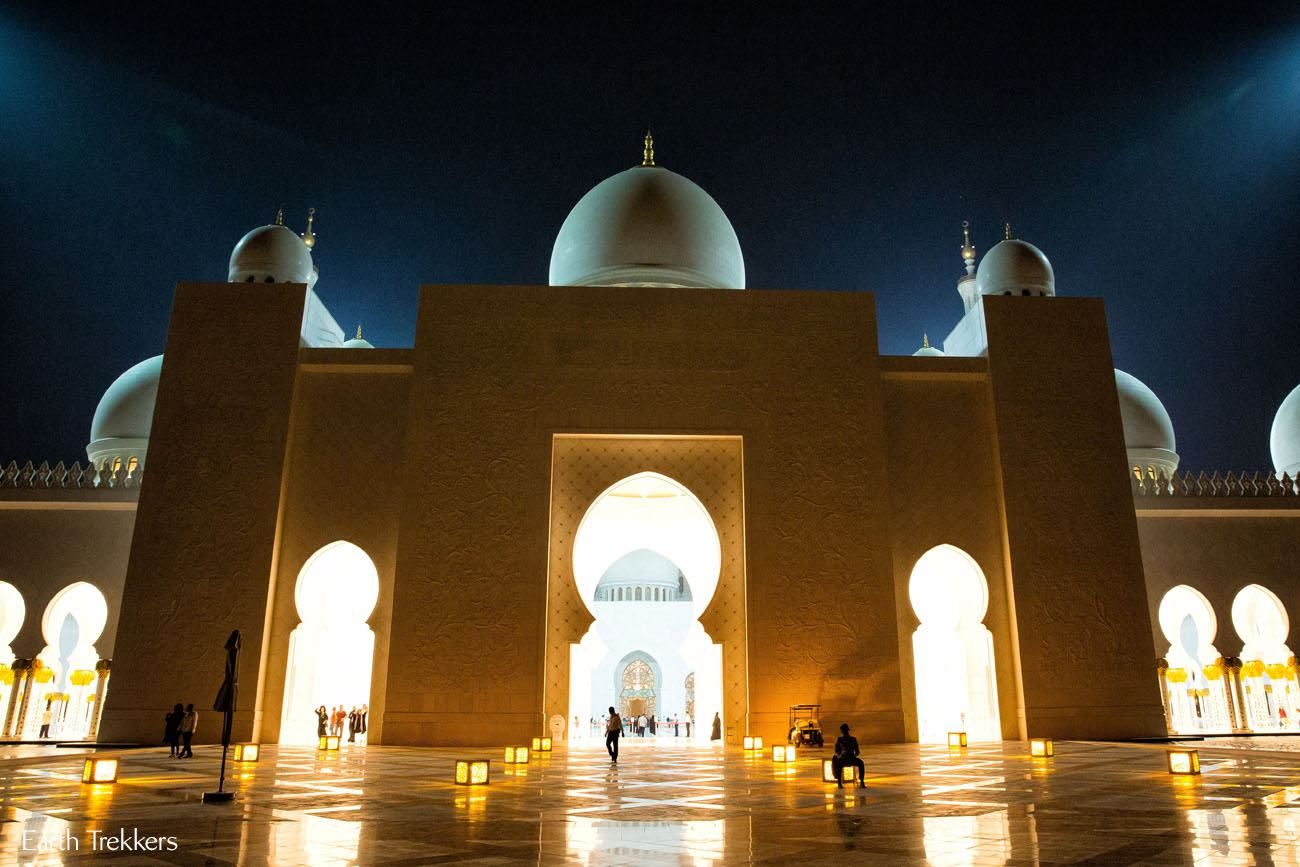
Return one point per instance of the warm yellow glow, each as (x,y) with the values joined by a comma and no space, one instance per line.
(753,743)
(329,742)
(246,752)
(956,739)
(850,772)
(471,772)
(541,745)
(783,754)
(516,755)
(81,677)
(1184,762)
(1041,748)
(99,771)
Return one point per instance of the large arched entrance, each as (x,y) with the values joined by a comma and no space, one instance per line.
(646,561)
(1196,690)
(13,611)
(63,693)
(1268,675)
(956,684)
(331,651)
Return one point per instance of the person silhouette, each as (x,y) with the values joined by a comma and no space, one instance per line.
(847,753)
(613,731)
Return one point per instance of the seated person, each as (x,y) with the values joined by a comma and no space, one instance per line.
(846,753)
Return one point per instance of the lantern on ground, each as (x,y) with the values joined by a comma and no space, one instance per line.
(472,772)
(752,744)
(516,755)
(329,742)
(850,772)
(247,752)
(783,754)
(99,771)
(1041,748)
(957,740)
(1184,763)
(541,745)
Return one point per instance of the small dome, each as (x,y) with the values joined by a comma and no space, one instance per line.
(647,226)
(1015,267)
(124,416)
(1148,432)
(358,342)
(926,350)
(1284,439)
(272,254)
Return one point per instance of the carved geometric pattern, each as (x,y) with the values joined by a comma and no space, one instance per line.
(585,466)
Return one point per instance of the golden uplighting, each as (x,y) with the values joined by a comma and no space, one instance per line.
(1184,763)
(753,743)
(850,772)
(516,755)
(541,745)
(99,771)
(783,754)
(472,772)
(1041,748)
(329,742)
(247,752)
(957,740)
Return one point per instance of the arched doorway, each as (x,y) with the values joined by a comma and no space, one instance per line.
(13,611)
(331,651)
(63,691)
(639,685)
(1268,675)
(646,559)
(1196,691)
(956,684)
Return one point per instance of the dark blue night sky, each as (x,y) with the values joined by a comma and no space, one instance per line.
(1153,158)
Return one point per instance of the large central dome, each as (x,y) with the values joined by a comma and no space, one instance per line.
(647,226)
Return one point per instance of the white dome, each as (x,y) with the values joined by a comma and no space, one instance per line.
(927,351)
(1148,432)
(271,254)
(1015,267)
(125,414)
(647,226)
(1284,439)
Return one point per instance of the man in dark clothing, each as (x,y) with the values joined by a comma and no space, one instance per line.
(846,754)
(613,730)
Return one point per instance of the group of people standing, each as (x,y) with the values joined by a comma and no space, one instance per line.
(178,733)
(333,722)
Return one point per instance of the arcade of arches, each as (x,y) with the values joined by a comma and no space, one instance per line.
(59,693)
(1206,692)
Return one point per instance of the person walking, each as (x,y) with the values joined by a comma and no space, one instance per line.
(188,724)
(716,734)
(172,730)
(47,717)
(613,731)
(847,753)
(641,724)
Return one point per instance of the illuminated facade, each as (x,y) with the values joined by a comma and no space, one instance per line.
(639,487)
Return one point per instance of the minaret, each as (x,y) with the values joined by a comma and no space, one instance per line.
(966,283)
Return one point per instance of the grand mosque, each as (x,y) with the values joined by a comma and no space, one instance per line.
(640,486)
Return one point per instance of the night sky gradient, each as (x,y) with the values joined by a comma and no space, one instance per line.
(1153,157)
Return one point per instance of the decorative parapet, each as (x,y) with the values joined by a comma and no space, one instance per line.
(1244,484)
(75,477)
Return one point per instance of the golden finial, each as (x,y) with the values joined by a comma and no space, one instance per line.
(1006,231)
(967,248)
(925,340)
(309,237)
(648,152)
(358,331)
(279,217)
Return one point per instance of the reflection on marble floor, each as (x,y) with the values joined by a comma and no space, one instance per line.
(670,804)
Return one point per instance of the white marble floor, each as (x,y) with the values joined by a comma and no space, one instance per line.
(664,803)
